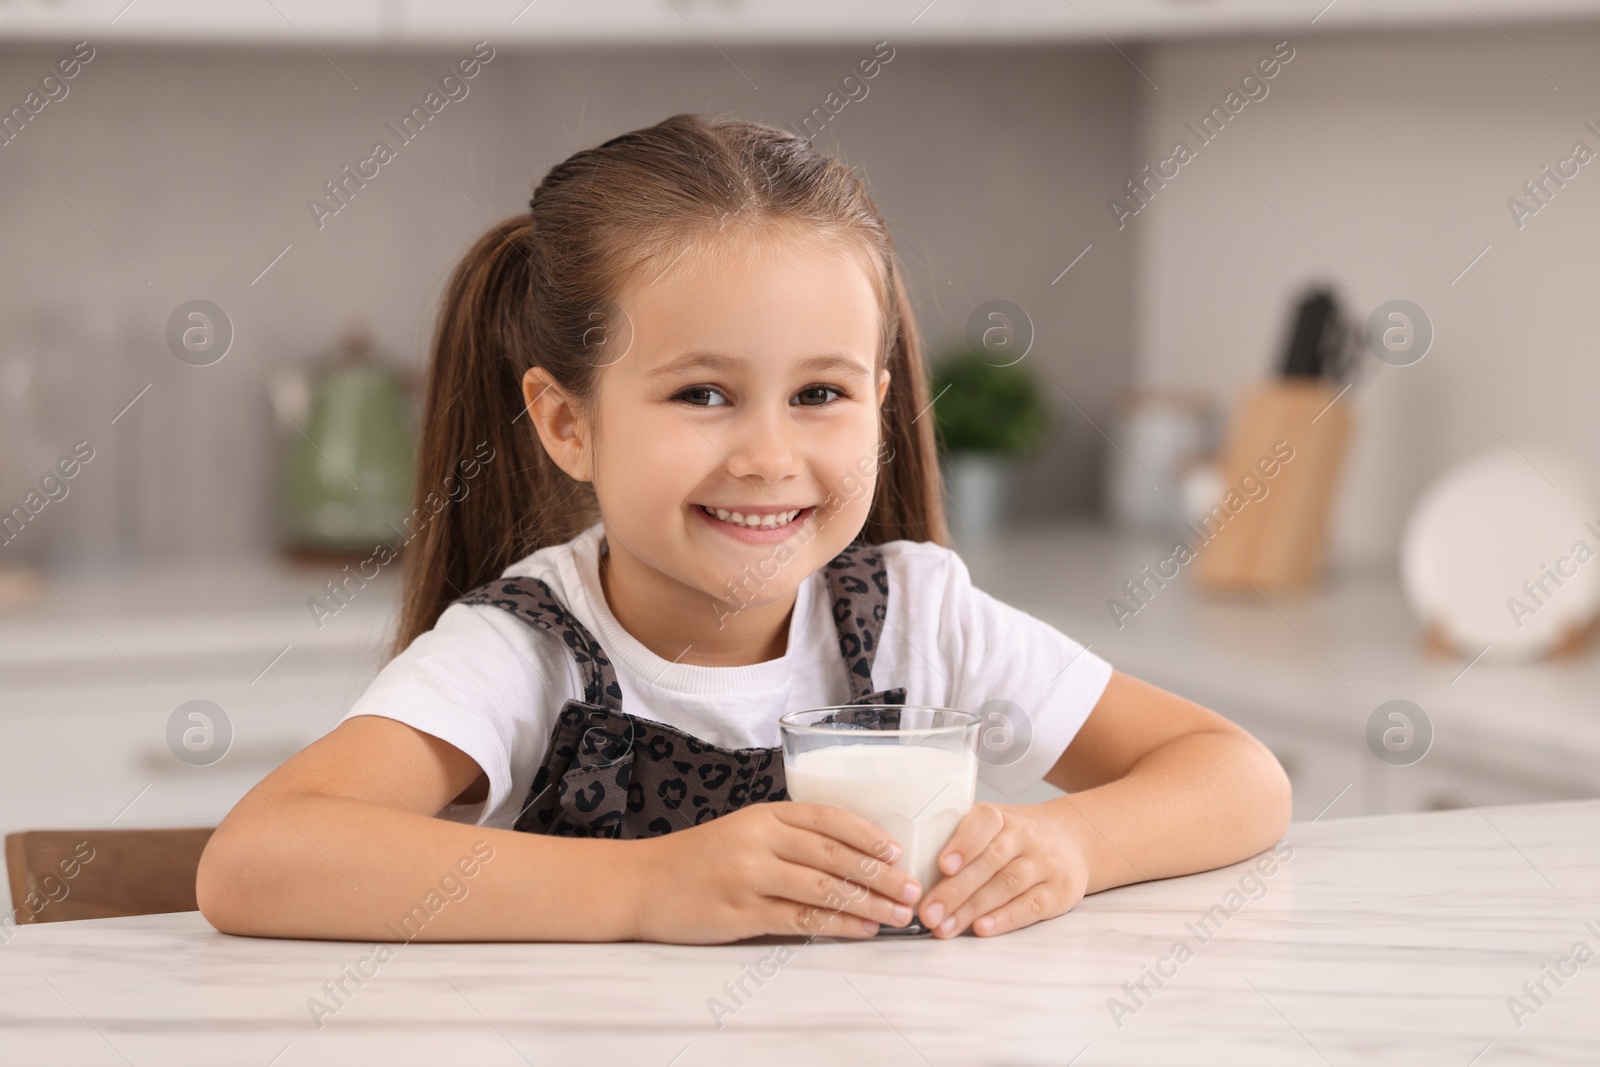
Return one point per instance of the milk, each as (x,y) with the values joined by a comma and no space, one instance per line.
(915,793)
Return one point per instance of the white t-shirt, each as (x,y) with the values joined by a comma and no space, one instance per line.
(493,685)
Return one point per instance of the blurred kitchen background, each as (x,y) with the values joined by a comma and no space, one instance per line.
(181,332)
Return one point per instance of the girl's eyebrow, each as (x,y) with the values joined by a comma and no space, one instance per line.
(716,361)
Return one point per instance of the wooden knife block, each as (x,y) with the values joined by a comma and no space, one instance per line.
(1279,540)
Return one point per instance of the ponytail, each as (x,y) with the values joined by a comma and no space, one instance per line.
(908,503)
(474,420)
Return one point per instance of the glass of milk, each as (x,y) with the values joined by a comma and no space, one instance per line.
(911,770)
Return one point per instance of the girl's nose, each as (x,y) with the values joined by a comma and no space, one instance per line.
(762,444)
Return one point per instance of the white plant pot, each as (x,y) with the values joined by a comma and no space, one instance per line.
(979,491)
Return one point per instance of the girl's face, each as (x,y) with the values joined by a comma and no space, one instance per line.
(745,381)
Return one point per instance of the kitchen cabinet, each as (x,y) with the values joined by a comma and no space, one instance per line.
(91,677)
(98,755)
(1305,673)
(193,20)
(1338,777)
(695,22)
(91,756)
(1442,786)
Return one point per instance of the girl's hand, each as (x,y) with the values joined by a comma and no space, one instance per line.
(777,867)
(1007,866)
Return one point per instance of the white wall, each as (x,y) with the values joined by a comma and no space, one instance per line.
(1394,157)
(196,164)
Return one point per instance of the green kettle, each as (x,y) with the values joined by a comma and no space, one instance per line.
(347,481)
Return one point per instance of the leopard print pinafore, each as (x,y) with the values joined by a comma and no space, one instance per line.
(619,776)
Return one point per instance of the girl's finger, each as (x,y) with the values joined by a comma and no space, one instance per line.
(861,842)
(952,891)
(876,890)
(1007,884)
(972,835)
(793,919)
(821,905)
(1031,907)
(854,830)
(819,889)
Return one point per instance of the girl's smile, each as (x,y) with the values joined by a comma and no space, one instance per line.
(755,526)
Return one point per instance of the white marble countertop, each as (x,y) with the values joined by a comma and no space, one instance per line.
(1393,939)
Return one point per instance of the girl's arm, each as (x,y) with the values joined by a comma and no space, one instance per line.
(1158,786)
(341,842)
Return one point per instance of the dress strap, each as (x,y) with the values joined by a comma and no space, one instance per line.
(858,583)
(532,601)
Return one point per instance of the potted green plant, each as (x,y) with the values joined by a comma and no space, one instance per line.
(988,415)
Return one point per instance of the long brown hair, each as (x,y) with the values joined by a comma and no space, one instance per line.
(532,290)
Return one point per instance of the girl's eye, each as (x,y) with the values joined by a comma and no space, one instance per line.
(814,389)
(696,390)
(692,394)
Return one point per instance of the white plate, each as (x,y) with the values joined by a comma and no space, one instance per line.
(1503,552)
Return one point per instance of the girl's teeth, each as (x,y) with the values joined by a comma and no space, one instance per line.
(753,521)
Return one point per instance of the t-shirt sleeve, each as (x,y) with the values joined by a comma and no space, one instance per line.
(1032,684)
(483,681)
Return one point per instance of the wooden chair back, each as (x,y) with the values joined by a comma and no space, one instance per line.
(57,875)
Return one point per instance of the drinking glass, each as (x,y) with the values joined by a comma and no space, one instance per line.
(912,770)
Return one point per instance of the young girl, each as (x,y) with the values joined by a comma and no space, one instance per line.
(679,478)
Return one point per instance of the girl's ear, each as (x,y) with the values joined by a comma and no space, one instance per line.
(561,429)
(883,387)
